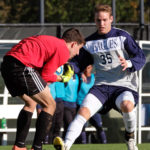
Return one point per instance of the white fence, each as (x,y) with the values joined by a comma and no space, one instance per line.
(141,93)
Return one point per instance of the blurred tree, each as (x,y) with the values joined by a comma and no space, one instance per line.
(147,11)
(67,11)
(70,10)
(4,9)
(127,11)
(18,11)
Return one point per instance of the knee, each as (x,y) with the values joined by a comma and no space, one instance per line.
(30,106)
(85,112)
(127,106)
(50,104)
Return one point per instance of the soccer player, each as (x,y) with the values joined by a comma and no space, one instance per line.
(117,58)
(27,68)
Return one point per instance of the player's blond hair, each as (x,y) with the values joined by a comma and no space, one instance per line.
(103,7)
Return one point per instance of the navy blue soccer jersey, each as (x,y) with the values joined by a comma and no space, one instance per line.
(106,49)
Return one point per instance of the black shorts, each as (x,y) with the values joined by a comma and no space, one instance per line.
(20,79)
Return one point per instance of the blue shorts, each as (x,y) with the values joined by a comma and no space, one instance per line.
(107,95)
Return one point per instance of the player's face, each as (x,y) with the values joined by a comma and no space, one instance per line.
(75,49)
(103,22)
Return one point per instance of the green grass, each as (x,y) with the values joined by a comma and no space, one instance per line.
(89,147)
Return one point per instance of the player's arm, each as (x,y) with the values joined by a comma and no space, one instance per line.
(136,54)
(59,78)
(48,71)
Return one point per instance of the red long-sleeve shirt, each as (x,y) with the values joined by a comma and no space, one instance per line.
(44,53)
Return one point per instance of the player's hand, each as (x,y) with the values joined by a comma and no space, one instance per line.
(123,63)
(67,73)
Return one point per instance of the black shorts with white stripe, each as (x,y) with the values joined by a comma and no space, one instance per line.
(20,79)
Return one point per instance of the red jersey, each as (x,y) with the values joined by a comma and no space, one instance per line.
(44,53)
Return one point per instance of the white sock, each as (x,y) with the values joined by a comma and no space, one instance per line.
(130,121)
(74,130)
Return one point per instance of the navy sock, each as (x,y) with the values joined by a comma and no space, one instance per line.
(83,137)
(101,135)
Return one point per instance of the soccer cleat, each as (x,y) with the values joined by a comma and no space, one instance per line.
(131,144)
(18,148)
(58,143)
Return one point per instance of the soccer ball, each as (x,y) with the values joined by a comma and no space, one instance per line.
(60,70)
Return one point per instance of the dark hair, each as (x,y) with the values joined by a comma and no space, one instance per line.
(82,60)
(103,7)
(73,34)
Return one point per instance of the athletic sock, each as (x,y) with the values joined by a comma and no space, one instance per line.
(130,121)
(43,125)
(23,124)
(74,130)
(101,135)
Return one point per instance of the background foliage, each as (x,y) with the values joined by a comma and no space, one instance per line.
(67,11)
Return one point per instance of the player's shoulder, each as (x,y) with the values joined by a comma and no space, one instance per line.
(120,32)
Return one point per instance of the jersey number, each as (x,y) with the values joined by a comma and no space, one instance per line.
(106,59)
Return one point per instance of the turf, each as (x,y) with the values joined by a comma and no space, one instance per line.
(89,147)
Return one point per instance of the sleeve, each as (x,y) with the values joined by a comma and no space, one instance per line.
(56,60)
(136,54)
(49,69)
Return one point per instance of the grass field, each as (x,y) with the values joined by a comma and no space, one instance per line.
(89,147)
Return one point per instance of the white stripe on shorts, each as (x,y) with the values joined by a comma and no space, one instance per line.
(35,78)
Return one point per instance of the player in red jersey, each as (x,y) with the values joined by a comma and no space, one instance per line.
(26,70)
